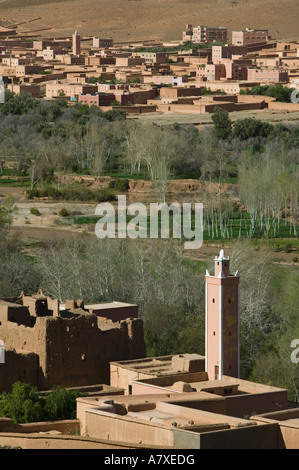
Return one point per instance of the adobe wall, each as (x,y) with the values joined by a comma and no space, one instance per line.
(50,441)
(78,352)
(137,109)
(23,338)
(68,351)
(290,107)
(124,377)
(255,99)
(240,405)
(249,106)
(218,405)
(250,437)
(11,312)
(182,108)
(257,399)
(64,426)
(116,314)
(288,426)
(123,429)
(18,367)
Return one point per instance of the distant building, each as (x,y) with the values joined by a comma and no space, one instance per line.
(122,96)
(249,36)
(188,33)
(200,34)
(211,72)
(48,53)
(267,75)
(31,89)
(102,42)
(226,52)
(40,45)
(152,57)
(72,91)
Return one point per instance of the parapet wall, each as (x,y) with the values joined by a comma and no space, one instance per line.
(19,367)
(78,351)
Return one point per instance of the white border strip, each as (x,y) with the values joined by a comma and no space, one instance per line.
(220,331)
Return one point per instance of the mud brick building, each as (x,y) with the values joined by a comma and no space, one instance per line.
(45,345)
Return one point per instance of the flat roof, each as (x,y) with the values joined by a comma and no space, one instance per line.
(160,411)
(102,305)
(105,305)
(164,366)
(287,418)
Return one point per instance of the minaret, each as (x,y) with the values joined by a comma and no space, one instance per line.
(76,43)
(222,320)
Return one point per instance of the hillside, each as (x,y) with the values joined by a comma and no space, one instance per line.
(129,20)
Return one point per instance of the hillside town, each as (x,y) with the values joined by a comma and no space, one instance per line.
(205,69)
(96,347)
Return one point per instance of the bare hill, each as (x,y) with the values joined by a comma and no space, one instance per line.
(129,20)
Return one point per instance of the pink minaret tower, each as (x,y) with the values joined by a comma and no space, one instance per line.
(222,321)
(76,44)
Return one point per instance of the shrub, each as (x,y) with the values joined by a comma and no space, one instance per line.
(22,405)
(247,128)
(60,404)
(34,211)
(119,184)
(72,194)
(288,248)
(115,115)
(105,196)
(222,123)
(64,212)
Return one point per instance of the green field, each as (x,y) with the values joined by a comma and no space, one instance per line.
(235,228)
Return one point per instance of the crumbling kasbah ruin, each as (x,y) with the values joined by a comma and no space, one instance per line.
(47,344)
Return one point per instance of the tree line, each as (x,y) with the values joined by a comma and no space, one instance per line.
(260,158)
(170,292)
(45,140)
